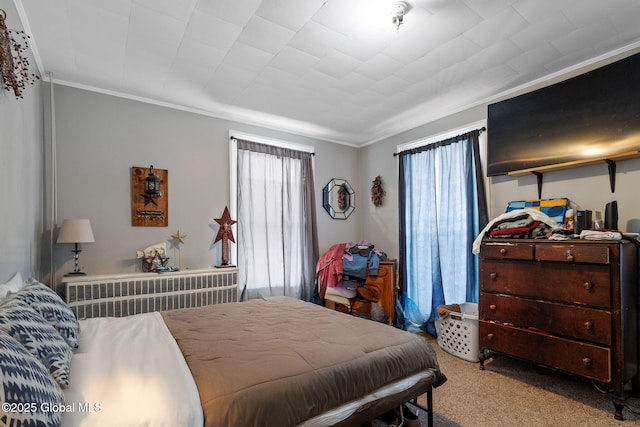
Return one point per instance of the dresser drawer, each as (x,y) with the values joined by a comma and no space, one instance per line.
(383,277)
(507,251)
(573,253)
(587,284)
(587,360)
(582,323)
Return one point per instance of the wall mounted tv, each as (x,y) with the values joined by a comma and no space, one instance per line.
(592,116)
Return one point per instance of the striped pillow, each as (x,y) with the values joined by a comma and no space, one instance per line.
(50,306)
(26,387)
(41,339)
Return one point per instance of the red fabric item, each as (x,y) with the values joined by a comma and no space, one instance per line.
(329,267)
(516,230)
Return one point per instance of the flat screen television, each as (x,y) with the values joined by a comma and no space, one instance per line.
(593,115)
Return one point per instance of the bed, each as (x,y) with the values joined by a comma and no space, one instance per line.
(267,362)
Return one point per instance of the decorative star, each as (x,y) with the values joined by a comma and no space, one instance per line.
(225,226)
(178,238)
(150,198)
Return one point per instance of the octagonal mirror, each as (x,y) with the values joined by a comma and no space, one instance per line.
(339,198)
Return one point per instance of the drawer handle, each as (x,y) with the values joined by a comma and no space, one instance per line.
(586,361)
(588,285)
(493,275)
(568,255)
(489,336)
(492,307)
(503,251)
(588,325)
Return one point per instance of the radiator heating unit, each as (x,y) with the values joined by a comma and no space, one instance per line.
(128,294)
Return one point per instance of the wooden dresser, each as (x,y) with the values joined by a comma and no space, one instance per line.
(383,287)
(568,305)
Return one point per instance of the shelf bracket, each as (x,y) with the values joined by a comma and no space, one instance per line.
(539,178)
(612,174)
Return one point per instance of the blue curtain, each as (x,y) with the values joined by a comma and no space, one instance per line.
(442,210)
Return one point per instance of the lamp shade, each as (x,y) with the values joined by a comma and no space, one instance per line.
(76,231)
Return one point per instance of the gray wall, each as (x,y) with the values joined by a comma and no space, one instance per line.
(100,137)
(21,175)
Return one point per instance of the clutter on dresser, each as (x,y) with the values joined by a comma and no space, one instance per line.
(553,219)
(358,279)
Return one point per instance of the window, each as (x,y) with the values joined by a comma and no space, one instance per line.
(442,210)
(274,196)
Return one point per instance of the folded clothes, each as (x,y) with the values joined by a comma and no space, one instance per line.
(600,235)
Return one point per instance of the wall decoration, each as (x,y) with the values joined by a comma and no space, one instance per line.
(339,199)
(177,240)
(14,66)
(377,192)
(149,197)
(225,233)
(154,258)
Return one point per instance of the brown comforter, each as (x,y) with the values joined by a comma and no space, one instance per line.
(280,361)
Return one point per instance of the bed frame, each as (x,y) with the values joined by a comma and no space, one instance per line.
(129,294)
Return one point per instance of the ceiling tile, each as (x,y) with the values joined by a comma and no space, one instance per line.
(354,82)
(211,30)
(193,53)
(496,28)
(488,9)
(289,13)
(253,35)
(150,26)
(390,85)
(293,61)
(449,53)
(585,37)
(336,64)
(590,12)
(179,10)
(532,61)
(542,32)
(237,12)
(247,57)
(379,67)
(228,81)
(316,39)
(532,12)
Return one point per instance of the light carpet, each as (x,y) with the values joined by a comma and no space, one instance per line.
(514,393)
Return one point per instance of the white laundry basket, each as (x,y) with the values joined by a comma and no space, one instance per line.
(459,336)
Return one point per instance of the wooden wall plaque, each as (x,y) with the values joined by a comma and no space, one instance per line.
(149,210)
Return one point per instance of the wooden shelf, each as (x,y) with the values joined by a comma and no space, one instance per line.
(577,163)
(609,160)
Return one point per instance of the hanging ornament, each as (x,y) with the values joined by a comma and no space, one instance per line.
(377,192)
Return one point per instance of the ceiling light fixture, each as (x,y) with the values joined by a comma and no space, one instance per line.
(398,10)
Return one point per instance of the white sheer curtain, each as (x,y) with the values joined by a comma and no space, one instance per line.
(277,241)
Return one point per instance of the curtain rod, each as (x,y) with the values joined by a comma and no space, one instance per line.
(482,129)
(233,138)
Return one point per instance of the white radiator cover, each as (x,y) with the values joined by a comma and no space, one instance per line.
(128,294)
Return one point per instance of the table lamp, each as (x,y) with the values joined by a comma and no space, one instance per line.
(76,231)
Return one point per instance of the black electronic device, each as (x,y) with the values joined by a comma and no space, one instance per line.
(595,112)
(611,216)
(581,221)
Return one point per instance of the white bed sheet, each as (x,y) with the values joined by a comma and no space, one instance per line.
(129,371)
